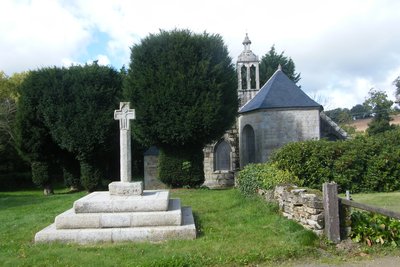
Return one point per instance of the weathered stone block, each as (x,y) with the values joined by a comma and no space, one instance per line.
(69,220)
(72,220)
(298,191)
(102,201)
(315,225)
(126,189)
(317,204)
(313,211)
(287,215)
(297,200)
(317,217)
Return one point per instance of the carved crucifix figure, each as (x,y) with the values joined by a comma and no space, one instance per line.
(124,114)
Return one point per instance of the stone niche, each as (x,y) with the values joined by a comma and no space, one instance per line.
(221,161)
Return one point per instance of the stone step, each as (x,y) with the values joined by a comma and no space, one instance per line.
(102,201)
(72,220)
(137,234)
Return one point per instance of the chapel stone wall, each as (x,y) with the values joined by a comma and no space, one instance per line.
(275,128)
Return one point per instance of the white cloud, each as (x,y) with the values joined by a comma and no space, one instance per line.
(342,48)
(38,33)
(103,60)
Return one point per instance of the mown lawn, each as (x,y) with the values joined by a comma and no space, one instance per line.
(232,230)
(390,201)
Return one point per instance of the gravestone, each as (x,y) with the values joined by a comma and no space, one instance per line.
(124,213)
(150,162)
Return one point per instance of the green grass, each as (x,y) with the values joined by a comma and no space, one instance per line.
(232,230)
(390,201)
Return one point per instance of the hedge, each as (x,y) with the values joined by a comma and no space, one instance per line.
(362,164)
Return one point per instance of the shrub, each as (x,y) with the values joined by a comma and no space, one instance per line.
(263,176)
(90,176)
(375,229)
(182,167)
(311,161)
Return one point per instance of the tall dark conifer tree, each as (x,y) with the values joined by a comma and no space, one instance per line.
(270,62)
(183,87)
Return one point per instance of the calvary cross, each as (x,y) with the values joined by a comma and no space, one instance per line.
(124,114)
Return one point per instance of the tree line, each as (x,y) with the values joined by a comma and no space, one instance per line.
(376,106)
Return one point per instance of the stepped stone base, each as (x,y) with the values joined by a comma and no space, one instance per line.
(103,217)
(102,201)
(137,234)
(72,220)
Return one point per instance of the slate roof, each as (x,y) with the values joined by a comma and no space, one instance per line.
(279,92)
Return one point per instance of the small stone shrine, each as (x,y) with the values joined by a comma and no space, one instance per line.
(124,213)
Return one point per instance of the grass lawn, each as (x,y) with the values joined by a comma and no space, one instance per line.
(232,231)
(390,201)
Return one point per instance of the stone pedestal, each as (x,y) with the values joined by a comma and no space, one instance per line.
(105,217)
(126,188)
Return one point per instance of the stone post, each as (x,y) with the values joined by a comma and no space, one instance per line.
(331,208)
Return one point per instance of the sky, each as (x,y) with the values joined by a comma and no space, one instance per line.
(342,48)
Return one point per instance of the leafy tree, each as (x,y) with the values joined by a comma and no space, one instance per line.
(397,84)
(8,100)
(9,159)
(360,112)
(183,87)
(339,115)
(270,62)
(380,106)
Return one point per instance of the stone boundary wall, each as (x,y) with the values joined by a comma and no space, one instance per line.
(299,204)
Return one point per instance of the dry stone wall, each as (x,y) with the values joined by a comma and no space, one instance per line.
(300,205)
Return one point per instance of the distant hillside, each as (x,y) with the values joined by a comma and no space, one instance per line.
(362,125)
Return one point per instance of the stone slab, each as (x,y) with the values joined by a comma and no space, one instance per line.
(138,234)
(102,201)
(72,220)
(126,188)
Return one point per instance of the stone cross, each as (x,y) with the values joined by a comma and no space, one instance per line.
(124,114)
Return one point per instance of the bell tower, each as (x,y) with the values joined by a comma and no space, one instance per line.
(248,73)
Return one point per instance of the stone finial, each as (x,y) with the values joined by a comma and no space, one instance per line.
(246,40)
(279,67)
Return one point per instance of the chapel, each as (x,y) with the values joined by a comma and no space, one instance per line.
(268,117)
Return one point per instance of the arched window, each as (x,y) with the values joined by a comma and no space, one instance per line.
(252,77)
(243,71)
(248,145)
(222,156)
